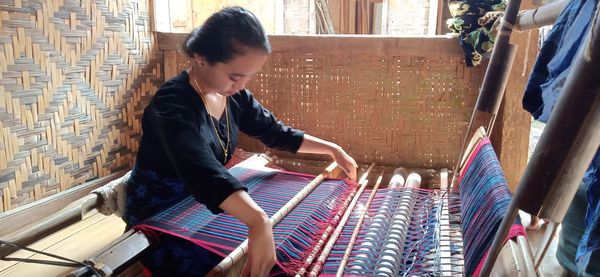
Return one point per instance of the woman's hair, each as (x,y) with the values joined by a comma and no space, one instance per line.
(228,33)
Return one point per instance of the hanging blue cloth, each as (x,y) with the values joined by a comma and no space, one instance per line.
(542,92)
(590,241)
(555,58)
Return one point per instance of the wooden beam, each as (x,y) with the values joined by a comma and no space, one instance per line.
(170,41)
(512,125)
(347,44)
(31,222)
(31,214)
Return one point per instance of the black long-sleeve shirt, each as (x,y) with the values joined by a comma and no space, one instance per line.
(178,139)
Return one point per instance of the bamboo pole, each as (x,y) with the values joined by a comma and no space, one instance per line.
(316,268)
(347,206)
(356,230)
(541,16)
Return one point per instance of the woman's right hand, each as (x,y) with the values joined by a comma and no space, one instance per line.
(261,250)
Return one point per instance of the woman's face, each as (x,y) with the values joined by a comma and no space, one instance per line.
(231,77)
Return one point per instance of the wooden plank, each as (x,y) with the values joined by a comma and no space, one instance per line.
(170,64)
(335,10)
(135,270)
(161,16)
(352,18)
(433,17)
(69,245)
(116,255)
(348,44)
(384,16)
(30,214)
(359,45)
(441,23)
(312,17)
(180,16)
(5,199)
(53,239)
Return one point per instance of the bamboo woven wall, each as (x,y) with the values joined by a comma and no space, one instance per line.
(390,100)
(74,77)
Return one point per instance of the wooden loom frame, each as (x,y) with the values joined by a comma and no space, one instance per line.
(566,167)
(560,158)
(584,140)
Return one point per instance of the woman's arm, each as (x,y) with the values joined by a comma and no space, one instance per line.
(314,145)
(261,247)
(259,123)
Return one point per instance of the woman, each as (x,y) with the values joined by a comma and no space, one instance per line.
(190,129)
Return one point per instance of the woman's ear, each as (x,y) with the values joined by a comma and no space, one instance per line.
(200,60)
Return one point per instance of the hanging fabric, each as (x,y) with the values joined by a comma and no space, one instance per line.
(475,21)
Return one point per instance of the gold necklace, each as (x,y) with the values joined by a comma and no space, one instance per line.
(224,146)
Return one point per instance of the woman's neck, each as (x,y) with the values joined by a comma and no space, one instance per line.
(213,101)
(197,82)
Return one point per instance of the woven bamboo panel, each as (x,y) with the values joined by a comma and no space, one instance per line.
(74,77)
(390,100)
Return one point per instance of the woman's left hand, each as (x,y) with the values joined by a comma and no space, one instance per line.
(316,145)
(345,162)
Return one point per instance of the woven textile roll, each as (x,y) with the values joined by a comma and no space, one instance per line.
(485,198)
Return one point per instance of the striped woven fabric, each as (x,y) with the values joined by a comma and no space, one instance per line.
(222,233)
(485,198)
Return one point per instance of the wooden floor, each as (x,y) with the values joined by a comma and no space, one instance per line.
(77,242)
(550,266)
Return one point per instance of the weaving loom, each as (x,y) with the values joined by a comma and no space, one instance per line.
(406,231)
(402,230)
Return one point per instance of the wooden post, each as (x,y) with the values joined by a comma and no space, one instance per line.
(312,17)
(512,125)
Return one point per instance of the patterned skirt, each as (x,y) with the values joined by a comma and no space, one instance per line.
(147,194)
